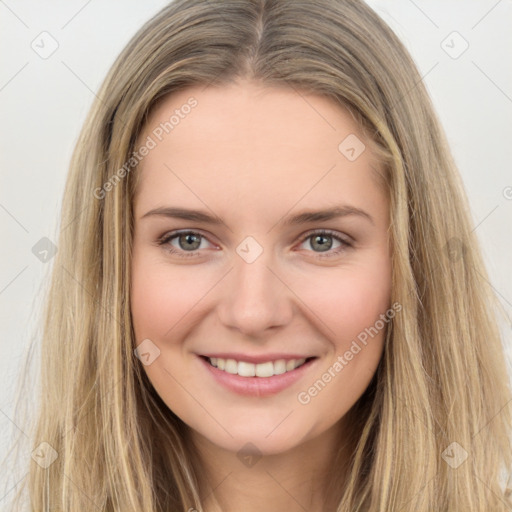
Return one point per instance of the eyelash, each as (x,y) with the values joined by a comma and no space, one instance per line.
(167,237)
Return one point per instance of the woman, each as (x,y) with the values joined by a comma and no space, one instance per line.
(251,371)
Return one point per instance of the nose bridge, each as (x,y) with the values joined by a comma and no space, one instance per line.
(256,298)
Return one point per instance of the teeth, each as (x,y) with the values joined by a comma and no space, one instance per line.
(245,369)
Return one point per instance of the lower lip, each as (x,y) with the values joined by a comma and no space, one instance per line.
(257,386)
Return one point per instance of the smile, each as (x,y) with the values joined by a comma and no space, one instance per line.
(265,369)
(256,379)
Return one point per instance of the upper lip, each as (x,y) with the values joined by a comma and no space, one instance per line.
(256,359)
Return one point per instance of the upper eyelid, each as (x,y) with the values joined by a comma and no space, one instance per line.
(169,235)
(330,232)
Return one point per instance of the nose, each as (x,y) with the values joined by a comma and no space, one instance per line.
(255,298)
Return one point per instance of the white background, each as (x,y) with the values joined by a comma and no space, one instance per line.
(44,102)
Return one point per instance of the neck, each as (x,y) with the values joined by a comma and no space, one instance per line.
(306,477)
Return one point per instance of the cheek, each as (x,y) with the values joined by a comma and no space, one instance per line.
(160,297)
(351,308)
(349,301)
(148,302)
(360,303)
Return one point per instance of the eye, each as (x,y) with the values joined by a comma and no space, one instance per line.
(188,243)
(322,240)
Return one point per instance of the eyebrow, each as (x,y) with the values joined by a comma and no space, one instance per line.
(303,217)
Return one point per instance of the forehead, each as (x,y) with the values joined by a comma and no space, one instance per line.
(253,148)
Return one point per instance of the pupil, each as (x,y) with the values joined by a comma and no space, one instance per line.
(189,238)
(322,246)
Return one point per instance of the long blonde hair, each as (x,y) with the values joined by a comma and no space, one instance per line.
(441,391)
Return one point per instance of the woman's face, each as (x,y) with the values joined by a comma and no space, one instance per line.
(262,284)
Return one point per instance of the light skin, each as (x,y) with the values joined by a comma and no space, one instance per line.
(255,156)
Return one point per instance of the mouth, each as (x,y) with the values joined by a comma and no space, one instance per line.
(258,380)
(258,370)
